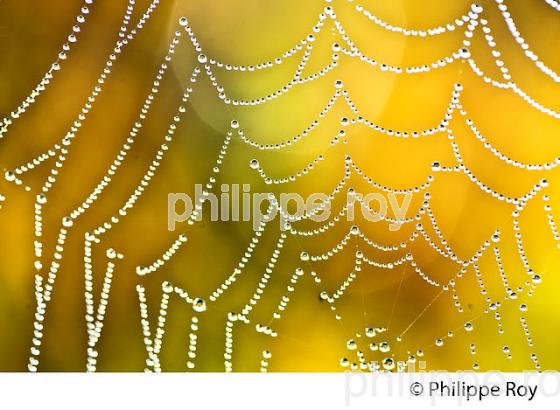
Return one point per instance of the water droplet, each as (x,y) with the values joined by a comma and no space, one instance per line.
(464,53)
(10,176)
(384,347)
(167,287)
(477,8)
(202,59)
(388,363)
(199,305)
(370,332)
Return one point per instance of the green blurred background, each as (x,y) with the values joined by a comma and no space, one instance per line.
(247,32)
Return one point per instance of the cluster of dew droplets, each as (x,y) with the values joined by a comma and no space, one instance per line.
(470,19)
(266,356)
(153,341)
(56,66)
(523,44)
(68,221)
(95,317)
(372,343)
(502,67)
(554,4)
(551,221)
(193,337)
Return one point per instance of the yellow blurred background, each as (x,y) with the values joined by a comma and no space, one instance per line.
(310,337)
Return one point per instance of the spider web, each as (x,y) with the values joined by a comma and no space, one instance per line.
(365,298)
